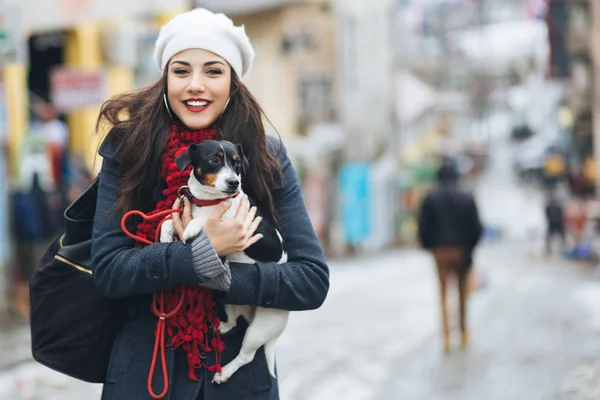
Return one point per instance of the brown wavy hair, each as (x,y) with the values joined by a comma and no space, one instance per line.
(142,124)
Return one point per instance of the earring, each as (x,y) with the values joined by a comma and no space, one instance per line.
(167,106)
(225,108)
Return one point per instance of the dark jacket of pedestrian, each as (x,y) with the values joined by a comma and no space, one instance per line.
(448,215)
(555,216)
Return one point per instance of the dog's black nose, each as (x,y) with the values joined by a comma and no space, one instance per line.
(233,183)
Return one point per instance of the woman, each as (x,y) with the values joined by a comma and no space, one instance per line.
(202,57)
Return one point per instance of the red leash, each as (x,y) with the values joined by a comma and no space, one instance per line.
(187,328)
(157,309)
(165,214)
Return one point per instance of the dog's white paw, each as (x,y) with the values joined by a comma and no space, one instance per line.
(222,377)
(225,327)
(189,235)
(167,232)
(191,231)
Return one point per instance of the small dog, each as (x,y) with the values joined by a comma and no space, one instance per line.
(216,177)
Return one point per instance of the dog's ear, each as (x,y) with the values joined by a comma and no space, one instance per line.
(185,159)
(245,162)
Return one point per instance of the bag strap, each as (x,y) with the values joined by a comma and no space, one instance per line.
(79,216)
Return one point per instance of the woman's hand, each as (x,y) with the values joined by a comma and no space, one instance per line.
(227,236)
(232,235)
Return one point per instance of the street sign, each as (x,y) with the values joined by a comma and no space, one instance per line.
(355,201)
(75,88)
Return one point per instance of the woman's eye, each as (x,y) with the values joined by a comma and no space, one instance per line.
(180,71)
(214,72)
(214,161)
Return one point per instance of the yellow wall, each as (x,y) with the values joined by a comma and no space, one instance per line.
(15,98)
(83,51)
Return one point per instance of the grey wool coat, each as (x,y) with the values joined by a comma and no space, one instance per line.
(132,274)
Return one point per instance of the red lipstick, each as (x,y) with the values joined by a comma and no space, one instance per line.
(196,108)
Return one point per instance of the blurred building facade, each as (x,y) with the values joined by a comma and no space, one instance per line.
(295,72)
(367,71)
(578,41)
(594,39)
(573,28)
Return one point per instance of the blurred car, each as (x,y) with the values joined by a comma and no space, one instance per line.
(528,158)
(521,130)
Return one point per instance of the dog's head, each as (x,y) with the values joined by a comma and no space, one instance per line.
(217,167)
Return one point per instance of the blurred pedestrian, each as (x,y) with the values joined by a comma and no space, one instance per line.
(31,220)
(56,136)
(575,220)
(555,222)
(553,168)
(449,227)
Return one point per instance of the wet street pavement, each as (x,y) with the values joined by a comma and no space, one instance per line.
(535,329)
(535,334)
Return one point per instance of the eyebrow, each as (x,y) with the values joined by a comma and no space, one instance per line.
(206,64)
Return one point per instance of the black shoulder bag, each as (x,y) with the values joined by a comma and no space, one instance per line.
(73,326)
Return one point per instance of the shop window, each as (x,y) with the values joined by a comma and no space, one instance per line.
(316,100)
(46,51)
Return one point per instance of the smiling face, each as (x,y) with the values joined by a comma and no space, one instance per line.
(198,86)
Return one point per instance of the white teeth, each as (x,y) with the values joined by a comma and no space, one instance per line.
(196,103)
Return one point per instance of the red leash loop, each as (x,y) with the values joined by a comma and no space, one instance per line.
(158,310)
(159,342)
(166,215)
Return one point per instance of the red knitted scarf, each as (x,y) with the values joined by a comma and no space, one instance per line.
(188,328)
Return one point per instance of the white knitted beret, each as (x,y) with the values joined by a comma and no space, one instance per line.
(203,29)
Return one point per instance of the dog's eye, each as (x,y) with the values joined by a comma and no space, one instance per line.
(214,161)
